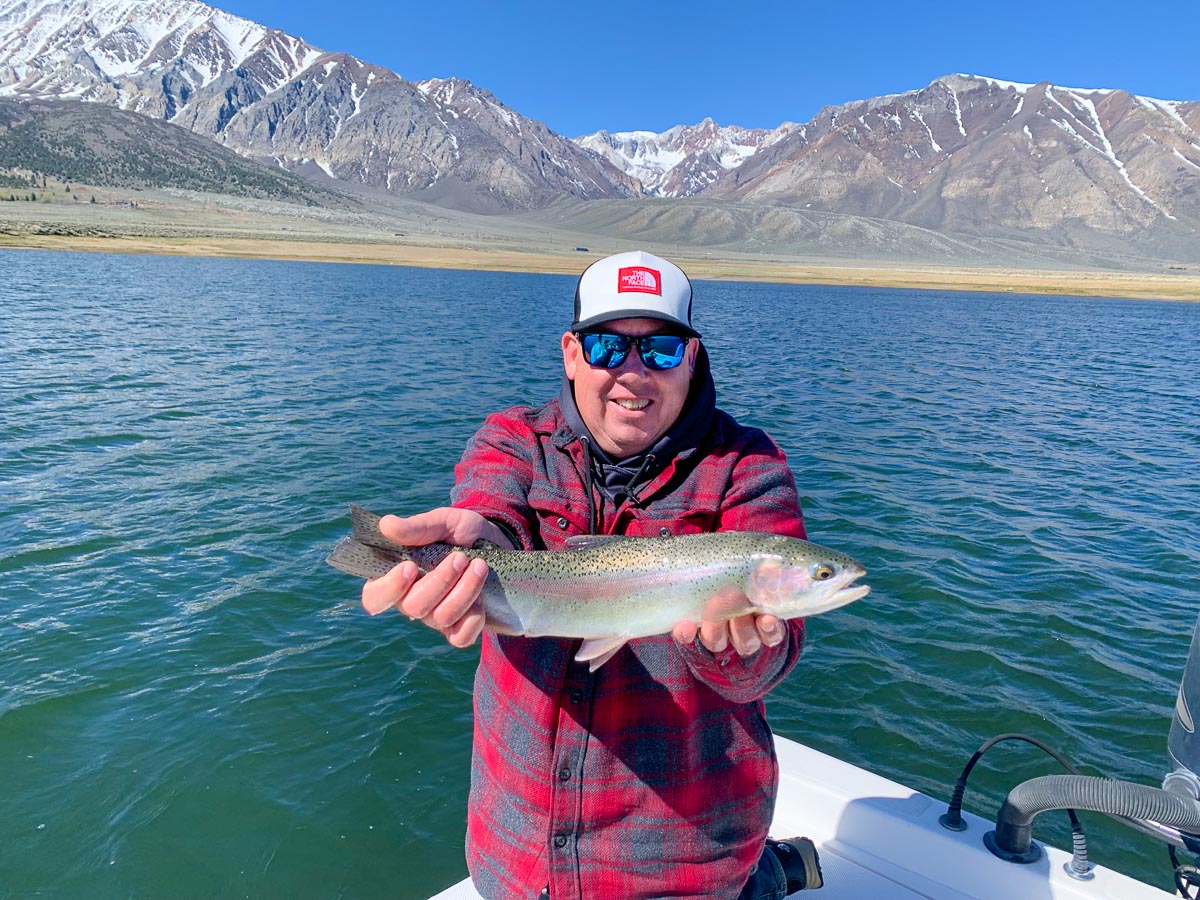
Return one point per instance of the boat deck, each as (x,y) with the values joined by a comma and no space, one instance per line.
(878,838)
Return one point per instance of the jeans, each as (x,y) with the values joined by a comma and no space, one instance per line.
(767,880)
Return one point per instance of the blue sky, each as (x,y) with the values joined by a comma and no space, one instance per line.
(580,67)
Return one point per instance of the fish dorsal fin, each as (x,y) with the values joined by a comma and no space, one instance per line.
(483,544)
(583,541)
(597,651)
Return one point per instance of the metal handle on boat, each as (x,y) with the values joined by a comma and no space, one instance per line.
(1013,838)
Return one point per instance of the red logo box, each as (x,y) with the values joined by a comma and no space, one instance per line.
(639,280)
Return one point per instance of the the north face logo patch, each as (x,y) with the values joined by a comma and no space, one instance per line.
(640,280)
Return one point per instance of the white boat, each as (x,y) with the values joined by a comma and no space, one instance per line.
(880,839)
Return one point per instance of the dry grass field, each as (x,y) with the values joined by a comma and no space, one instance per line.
(413,234)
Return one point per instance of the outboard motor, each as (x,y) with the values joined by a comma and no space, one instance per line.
(1183,744)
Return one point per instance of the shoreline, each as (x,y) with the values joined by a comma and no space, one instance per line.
(1125,285)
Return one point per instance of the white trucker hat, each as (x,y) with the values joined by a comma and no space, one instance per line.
(634,285)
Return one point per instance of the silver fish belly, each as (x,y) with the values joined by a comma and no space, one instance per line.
(609,589)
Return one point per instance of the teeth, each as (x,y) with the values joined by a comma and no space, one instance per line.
(633,404)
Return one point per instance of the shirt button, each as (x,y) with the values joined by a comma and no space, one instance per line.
(664,531)
(560,840)
(562,522)
(564,774)
(576,696)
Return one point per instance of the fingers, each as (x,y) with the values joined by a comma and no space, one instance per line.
(446,598)
(430,590)
(744,636)
(714,636)
(739,632)
(742,632)
(771,630)
(383,593)
(751,633)
(723,626)
(466,630)
(685,632)
(747,634)
(447,593)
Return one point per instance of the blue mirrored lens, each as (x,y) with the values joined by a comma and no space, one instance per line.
(605,351)
(661,351)
(608,351)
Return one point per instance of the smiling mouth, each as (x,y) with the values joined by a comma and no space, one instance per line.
(632,404)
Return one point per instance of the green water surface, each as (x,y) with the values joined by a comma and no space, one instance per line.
(193,704)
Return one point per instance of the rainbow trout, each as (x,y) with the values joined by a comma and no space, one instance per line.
(608,589)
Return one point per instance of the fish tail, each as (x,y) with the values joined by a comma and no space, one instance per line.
(365,526)
(354,557)
(368,553)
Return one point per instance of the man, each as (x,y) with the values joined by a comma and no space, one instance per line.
(656,775)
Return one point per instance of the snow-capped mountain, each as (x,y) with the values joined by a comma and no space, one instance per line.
(966,154)
(976,154)
(112,50)
(683,160)
(272,96)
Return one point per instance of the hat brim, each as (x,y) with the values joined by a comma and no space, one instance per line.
(613,316)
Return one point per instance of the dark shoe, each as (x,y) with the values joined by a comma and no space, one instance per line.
(800,862)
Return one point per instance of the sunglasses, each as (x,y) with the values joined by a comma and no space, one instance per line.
(609,351)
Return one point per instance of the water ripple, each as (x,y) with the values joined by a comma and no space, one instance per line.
(188,695)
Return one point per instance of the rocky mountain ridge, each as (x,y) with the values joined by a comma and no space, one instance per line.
(94,144)
(271,96)
(979,155)
(966,155)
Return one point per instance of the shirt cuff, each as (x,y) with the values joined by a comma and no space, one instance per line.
(735,676)
(508,531)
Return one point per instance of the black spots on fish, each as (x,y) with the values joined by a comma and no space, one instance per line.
(430,555)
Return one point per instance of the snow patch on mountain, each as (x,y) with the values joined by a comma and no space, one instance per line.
(90,48)
(682,160)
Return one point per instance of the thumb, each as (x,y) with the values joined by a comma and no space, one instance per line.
(447,524)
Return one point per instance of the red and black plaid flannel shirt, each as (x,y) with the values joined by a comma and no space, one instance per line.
(655,776)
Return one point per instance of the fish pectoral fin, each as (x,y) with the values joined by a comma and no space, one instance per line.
(582,541)
(597,651)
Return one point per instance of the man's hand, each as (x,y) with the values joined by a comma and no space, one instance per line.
(447,597)
(748,633)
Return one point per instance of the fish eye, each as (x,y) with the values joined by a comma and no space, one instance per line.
(822,572)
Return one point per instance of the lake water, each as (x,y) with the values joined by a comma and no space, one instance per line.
(193,704)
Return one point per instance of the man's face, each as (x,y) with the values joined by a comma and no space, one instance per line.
(630,407)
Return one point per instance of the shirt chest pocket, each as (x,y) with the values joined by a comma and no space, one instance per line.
(656,522)
(558,518)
